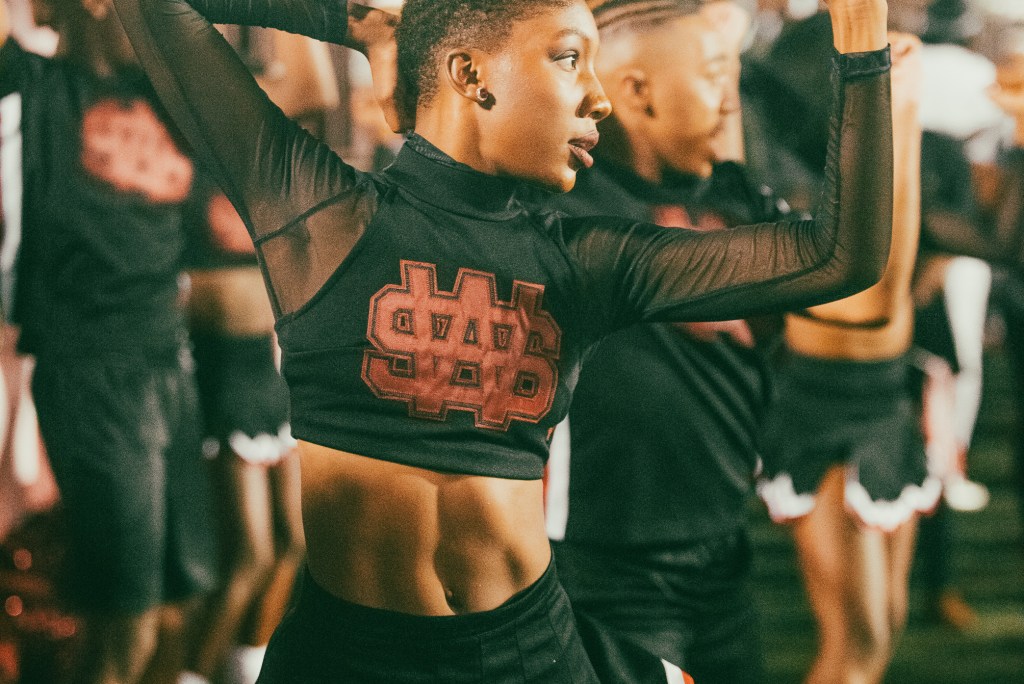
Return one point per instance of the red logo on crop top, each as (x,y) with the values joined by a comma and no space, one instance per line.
(464,349)
(125,145)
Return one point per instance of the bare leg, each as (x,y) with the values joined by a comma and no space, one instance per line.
(169,658)
(847,571)
(249,532)
(291,550)
(901,546)
(120,647)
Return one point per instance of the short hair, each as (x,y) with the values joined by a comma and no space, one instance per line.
(430,28)
(637,15)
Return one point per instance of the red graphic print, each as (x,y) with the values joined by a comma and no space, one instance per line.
(125,145)
(672,216)
(463,349)
(676,216)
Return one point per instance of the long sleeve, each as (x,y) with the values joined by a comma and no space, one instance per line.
(643,272)
(275,173)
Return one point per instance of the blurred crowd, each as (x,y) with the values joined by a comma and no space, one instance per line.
(220,402)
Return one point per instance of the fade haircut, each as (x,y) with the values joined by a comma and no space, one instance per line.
(430,28)
(639,16)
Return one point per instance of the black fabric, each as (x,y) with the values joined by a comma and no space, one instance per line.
(690,605)
(123,441)
(530,638)
(664,424)
(102,239)
(852,412)
(239,386)
(346,254)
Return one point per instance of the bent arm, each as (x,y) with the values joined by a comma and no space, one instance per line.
(650,273)
(274,172)
(876,305)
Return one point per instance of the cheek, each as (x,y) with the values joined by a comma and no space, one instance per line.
(538,129)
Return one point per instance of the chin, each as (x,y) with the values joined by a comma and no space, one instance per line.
(557,182)
(566,184)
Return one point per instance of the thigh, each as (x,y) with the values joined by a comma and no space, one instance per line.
(843,563)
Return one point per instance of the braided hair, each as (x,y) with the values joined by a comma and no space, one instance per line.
(610,14)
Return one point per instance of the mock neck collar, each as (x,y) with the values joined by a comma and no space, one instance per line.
(435,178)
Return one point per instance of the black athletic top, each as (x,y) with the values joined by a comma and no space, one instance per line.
(664,423)
(103,185)
(425,316)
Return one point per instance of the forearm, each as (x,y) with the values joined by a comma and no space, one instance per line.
(681,275)
(325,20)
(906,220)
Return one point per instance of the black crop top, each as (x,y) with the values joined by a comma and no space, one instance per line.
(425,316)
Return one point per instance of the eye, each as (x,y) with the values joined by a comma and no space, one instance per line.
(568,61)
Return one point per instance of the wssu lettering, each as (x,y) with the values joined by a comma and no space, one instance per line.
(463,349)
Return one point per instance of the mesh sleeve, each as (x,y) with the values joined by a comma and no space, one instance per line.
(303,206)
(644,272)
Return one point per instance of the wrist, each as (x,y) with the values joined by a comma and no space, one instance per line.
(860,25)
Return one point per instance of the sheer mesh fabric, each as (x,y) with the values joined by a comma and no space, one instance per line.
(306,208)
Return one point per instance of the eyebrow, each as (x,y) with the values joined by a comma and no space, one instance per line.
(573,31)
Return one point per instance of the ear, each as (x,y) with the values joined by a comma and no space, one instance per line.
(633,93)
(461,70)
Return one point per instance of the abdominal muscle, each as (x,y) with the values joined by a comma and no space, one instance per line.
(411,540)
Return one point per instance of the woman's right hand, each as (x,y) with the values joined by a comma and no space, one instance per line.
(372,32)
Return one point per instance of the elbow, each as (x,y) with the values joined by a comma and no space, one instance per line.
(858,274)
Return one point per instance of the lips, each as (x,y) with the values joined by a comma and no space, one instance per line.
(580,148)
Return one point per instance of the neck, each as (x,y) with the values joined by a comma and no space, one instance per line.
(455,131)
(623,147)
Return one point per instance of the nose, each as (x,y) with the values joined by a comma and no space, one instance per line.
(596,104)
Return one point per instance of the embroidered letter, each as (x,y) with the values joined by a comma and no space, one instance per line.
(464,349)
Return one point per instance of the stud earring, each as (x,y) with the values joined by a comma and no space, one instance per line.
(482,96)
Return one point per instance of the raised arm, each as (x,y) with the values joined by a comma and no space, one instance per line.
(271,169)
(877,304)
(650,273)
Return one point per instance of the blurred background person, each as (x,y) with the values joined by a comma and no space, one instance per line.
(243,396)
(98,302)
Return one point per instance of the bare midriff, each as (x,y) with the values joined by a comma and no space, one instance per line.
(416,541)
(851,340)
